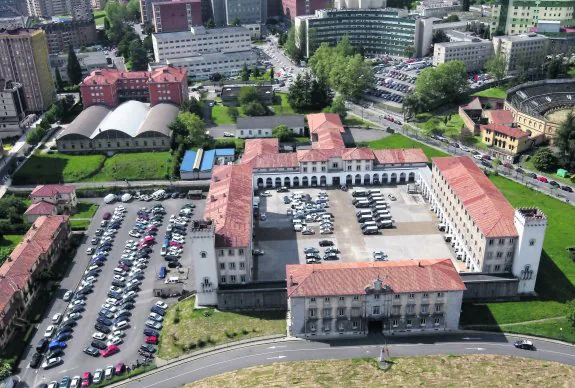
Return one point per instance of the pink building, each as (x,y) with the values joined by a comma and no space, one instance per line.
(176,15)
(293,8)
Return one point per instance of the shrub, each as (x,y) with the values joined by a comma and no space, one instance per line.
(201,343)
(244,331)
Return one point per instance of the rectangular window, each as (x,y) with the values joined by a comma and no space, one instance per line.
(397,296)
(423,321)
(376,296)
(221,252)
(342,298)
(437,321)
(312,300)
(395,323)
(232,265)
(240,251)
(327,313)
(411,296)
(223,279)
(425,295)
(355,297)
(341,312)
(232,278)
(375,310)
(408,322)
(424,309)
(243,278)
(354,325)
(222,265)
(230,252)
(440,294)
(242,265)
(437,308)
(312,312)
(497,268)
(326,299)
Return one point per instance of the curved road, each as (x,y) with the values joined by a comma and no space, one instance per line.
(218,362)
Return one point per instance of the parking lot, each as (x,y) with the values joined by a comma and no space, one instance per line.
(75,361)
(414,235)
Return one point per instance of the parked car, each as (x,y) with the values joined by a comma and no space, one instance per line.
(524,344)
(98,376)
(91,351)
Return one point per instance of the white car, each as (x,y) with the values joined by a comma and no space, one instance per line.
(156,317)
(478,156)
(130,294)
(116,289)
(110,307)
(99,336)
(78,302)
(112,301)
(74,316)
(114,341)
(135,271)
(228,134)
(49,331)
(117,333)
(119,278)
(135,234)
(121,325)
(161,305)
(68,296)
(56,318)
(90,250)
(76,381)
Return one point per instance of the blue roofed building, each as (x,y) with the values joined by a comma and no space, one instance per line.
(199,164)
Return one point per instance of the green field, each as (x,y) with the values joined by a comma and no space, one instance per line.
(99,17)
(283,108)
(220,115)
(556,278)
(7,245)
(354,121)
(399,141)
(85,210)
(61,168)
(495,92)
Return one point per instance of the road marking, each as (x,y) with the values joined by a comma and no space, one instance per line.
(471,338)
(277,347)
(276,358)
(551,351)
(475,348)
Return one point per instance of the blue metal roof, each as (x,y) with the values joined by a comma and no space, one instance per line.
(208,160)
(225,152)
(188,161)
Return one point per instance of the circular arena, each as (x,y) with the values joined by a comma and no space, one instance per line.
(541,106)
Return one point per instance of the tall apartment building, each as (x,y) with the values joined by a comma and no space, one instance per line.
(519,16)
(378,31)
(177,15)
(111,87)
(489,236)
(62,34)
(293,8)
(246,11)
(205,51)
(354,299)
(78,9)
(12,108)
(474,52)
(24,59)
(526,50)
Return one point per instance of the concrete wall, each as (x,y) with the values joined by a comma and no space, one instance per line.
(497,289)
(246,299)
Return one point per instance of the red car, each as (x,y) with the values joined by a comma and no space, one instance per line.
(542,179)
(175,244)
(87,379)
(119,369)
(107,216)
(109,351)
(153,227)
(124,267)
(152,340)
(507,164)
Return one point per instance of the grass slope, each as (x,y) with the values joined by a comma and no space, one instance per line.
(189,329)
(399,141)
(438,371)
(134,166)
(283,108)
(495,92)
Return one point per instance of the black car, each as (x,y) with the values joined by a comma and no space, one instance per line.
(104,321)
(567,188)
(68,324)
(118,283)
(106,313)
(148,348)
(330,256)
(104,329)
(524,344)
(64,330)
(92,351)
(99,344)
(42,345)
(77,309)
(325,243)
(532,175)
(171,258)
(554,184)
(127,306)
(151,332)
(115,295)
(123,313)
(57,352)
(520,170)
(35,360)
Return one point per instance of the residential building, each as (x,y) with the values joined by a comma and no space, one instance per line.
(378,31)
(176,15)
(63,197)
(505,142)
(63,34)
(518,16)
(255,30)
(112,87)
(89,62)
(354,299)
(12,108)
(132,126)
(204,52)
(78,9)
(473,52)
(24,59)
(40,209)
(229,93)
(293,8)
(200,164)
(488,235)
(246,11)
(247,127)
(472,115)
(222,244)
(20,273)
(438,8)
(525,50)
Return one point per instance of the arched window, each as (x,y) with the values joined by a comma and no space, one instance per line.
(204,254)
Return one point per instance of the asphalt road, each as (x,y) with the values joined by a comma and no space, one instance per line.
(75,361)
(243,357)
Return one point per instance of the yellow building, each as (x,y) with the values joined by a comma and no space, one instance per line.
(504,142)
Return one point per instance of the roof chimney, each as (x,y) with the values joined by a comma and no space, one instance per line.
(419,264)
(291,283)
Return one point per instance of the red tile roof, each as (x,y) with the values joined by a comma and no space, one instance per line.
(400,155)
(111,76)
(513,132)
(255,147)
(488,208)
(40,208)
(16,270)
(102,77)
(318,155)
(357,154)
(329,138)
(352,278)
(324,120)
(285,160)
(229,205)
(168,74)
(500,117)
(51,190)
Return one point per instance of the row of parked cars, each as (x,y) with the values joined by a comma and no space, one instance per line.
(174,240)
(372,210)
(305,211)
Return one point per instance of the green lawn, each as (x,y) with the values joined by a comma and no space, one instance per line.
(79,224)
(556,278)
(495,92)
(283,107)
(220,115)
(7,245)
(59,168)
(239,144)
(354,121)
(571,71)
(399,141)
(428,121)
(85,210)
(187,329)
(99,17)
(558,329)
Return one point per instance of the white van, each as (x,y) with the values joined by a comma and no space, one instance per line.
(158,194)
(297,227)
(326,217)
(359,193)
(172,280)
(368,224)
(378,208)
(363,212)
(385,224)
(381,212)
(370,230)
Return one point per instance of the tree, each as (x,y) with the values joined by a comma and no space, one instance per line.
(571,312)
(290,48)
(245,73)
(565,141)
(487,34)
(255,72)
(302,39)
(496,67)
(545,160)
(254,109)
(439,36)
(555,67)
(210,23)
(233,112)
(138,56)
(106,23)
(5,369)
(59,82)
(74,70)
(148,44)
(192,105)
(338,106)
(409,51)
(451,19)
(248,94)
(272,74)
(133,10)
(312,41)
(236,22)
(196,129)
(282,132)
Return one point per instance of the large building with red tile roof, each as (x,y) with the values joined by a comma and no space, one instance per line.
(111,87)
(319,121)
(488,234)
(37,252)
(50,200)
(352,299)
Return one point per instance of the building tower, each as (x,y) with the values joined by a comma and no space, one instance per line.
(531,224)
(205,262)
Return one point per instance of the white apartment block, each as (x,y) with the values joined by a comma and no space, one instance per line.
(354,299)
(474,52)
(527,50)
(488,235)
(518,16)
(438,8)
